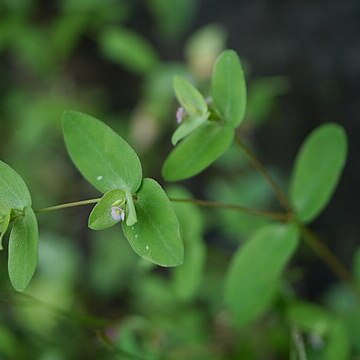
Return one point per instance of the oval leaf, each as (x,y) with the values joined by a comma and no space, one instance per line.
(23,250)
(197,151)
(228,88)
(317,170)
(4,223)
(128,49)
(187,278)
(131,217)
(155,236)
(188,126)
(190,98)
(255,271)
(101,217)
(309,318)
(103,157)
(338,347)
(14,194)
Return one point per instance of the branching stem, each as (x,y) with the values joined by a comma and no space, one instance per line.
(311,239)
(263,171)
(320,249)
(215,204)
(211,204)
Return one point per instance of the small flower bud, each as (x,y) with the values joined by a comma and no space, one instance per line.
(180,114)
(117,213)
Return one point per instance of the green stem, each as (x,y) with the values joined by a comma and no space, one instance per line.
(263,171)
(320,249)
(243,209)
(210,204)
(68,205)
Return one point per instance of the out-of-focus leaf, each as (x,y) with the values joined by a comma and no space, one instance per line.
(100,217)
(247,189)
(255,270)
(23,250)
(262,97)
(228,88)
(203,48)
(128,49)
(338,347)
(173,17)
(14,194)
(187,277)
(190,98)
(317,170)
(309,317)
(197,151)
(112,262)
(10,346)
(103,157)
(155,236)
(86,5)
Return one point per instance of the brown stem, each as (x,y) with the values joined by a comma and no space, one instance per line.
(243,209)
(262,170)
(326,255)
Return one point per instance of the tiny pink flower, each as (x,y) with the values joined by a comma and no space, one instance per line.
(180,114)
(117,213)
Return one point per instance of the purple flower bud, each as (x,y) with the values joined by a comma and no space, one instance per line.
(180,114)
(117,213)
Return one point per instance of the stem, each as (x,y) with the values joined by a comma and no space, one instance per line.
(334,264)
(243,209)
(68,205)
(324,253)
(262,170)
(210,204)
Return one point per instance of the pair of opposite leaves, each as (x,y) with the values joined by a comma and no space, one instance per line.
(109,164)
(205,136)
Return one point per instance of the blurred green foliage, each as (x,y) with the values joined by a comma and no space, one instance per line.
(92,297)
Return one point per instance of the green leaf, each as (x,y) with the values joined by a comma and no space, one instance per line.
(23,250)
(317,170)
(103,157)
(262,97)
(197,151)
(188,126)
(229,88)
(155,236)
(187,278)
(100,217)
(338,347)
(255,270)
(131,217)
(190,98)
(309,317)
(129,49)
(14,194)
(4,223)
(173,17)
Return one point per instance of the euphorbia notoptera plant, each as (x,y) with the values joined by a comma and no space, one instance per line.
(108,162)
